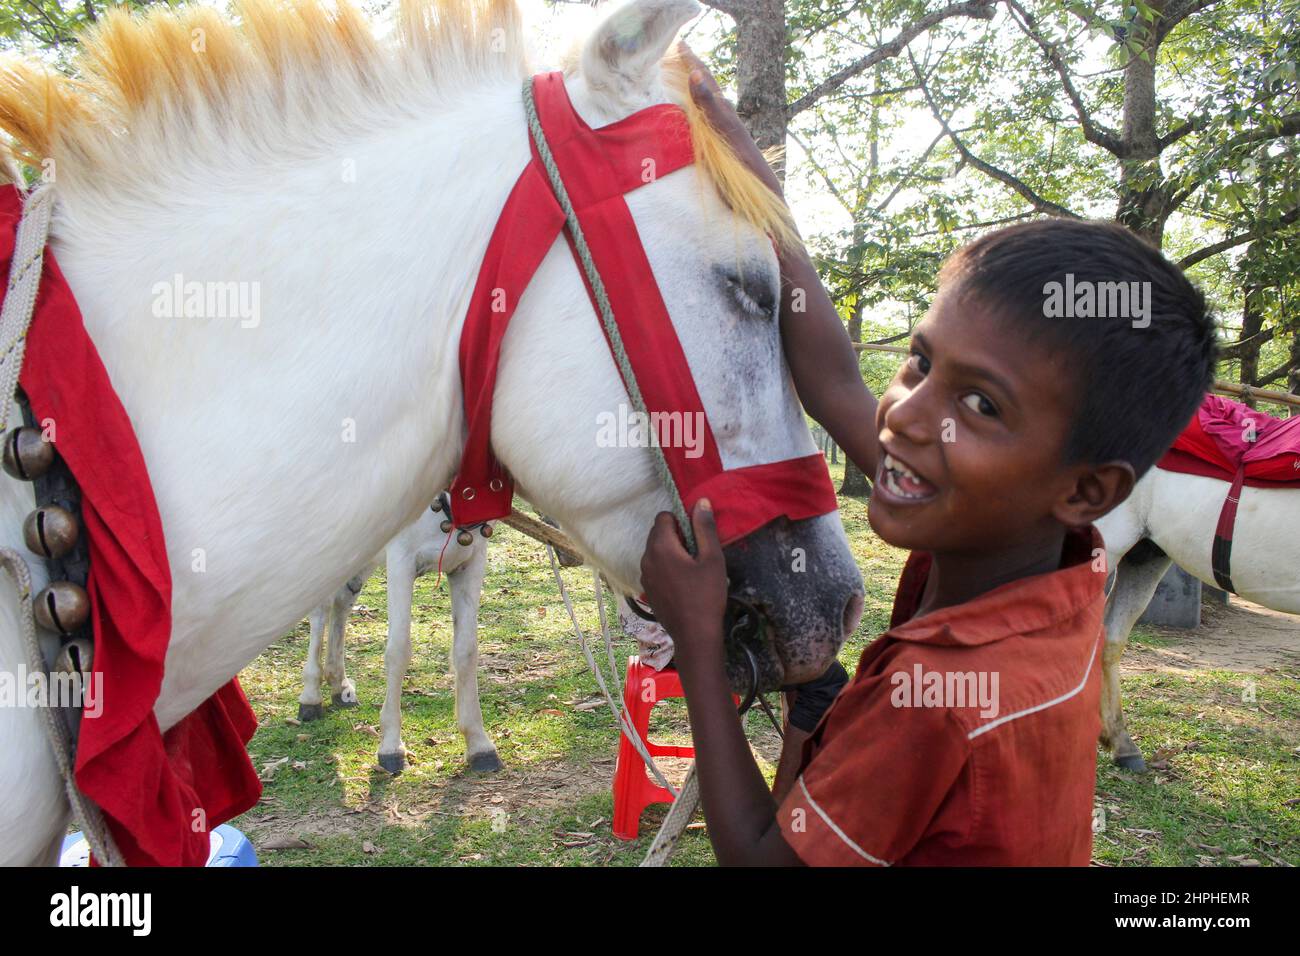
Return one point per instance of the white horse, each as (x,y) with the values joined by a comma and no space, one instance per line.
(417,550)
(354,183)
(1171,518)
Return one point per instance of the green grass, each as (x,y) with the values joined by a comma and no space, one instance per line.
(1227,768)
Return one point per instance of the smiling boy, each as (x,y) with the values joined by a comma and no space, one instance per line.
(968,734)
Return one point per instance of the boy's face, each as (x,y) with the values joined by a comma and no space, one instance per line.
(972,432)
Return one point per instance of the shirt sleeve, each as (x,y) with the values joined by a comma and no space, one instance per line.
(876,777)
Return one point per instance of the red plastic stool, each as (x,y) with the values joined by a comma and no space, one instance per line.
(634,788)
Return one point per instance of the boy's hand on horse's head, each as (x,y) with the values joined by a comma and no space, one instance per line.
(688,593)
(723,117)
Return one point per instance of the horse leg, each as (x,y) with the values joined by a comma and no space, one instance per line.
(1135,582)
(397,657)
(309,701)
(466,583)
(343,692)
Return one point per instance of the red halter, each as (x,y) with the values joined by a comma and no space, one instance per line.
(598,167)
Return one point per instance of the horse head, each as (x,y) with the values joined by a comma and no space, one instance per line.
(560,398)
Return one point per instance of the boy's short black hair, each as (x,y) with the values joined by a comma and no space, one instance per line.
(1138,386)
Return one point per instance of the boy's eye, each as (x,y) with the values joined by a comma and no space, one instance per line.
(919,362)
(978,403)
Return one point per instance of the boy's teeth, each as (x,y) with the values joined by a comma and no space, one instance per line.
(898,466)
(894,470)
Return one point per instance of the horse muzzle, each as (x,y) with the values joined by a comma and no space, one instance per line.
(795,597)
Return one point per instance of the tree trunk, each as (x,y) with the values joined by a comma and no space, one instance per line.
(1293,377)
(1142,186)
(855,483)
(760,72)
(1252,321)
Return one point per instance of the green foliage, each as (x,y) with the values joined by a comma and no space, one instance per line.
(1225,99)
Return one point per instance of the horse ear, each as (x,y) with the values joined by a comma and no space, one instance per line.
(620,60)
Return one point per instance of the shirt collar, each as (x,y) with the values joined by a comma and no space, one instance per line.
(1029,604)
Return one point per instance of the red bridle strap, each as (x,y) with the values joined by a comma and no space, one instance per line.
(598,167)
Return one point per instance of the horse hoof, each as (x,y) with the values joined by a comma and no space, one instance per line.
(485,762)
(309,712)
(343,700)
(1131,762)
(394,762)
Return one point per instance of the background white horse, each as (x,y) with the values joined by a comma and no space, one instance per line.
(415,551)
(353,183)
(1171,517)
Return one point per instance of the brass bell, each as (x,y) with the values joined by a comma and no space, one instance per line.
(436,506)
(75,657)
(27,455)
(50,531)
(62,606)
(446,526)
(464,538)
(486,531)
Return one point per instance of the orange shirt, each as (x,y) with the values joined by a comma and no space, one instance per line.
(968,735)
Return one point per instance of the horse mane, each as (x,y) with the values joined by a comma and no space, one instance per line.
(151,90)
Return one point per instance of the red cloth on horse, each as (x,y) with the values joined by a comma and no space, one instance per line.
(1218,441)
(161,794)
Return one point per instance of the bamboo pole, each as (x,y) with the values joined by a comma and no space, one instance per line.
(543,532)
(1220,385)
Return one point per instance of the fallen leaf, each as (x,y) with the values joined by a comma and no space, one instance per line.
(269,770)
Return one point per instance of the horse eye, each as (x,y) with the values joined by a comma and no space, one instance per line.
(753,293)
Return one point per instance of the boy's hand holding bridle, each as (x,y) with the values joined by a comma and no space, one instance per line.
(687,593)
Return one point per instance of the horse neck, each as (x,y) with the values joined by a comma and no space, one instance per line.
(285,449)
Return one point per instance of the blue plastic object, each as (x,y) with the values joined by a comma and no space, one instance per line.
(229,847)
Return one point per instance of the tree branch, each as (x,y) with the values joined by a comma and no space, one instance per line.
(728,7)
(1175,12)
(1038,202)
(1267,378)
(976,9)
(1223,245)
(1233,349)
(1093,132)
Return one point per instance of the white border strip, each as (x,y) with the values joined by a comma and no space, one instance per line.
(1035,709)
(836,830)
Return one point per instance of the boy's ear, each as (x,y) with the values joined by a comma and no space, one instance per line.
(1097,490)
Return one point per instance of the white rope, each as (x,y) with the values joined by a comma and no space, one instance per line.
(675,823)
(15,318)
(20,295)
(57,731)
(685,801)
(616,707)
(683,805)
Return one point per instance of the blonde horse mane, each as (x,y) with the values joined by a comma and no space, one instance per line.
(151,90)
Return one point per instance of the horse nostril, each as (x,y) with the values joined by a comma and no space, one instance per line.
(853,613)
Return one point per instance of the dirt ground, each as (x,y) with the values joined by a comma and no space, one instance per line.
(1240,636)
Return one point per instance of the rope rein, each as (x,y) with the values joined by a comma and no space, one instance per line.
(15,319)
(605,309)
(683,807)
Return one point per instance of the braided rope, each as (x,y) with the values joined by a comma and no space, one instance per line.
(15,318)
(20,294)
(675,822)
(57,731)
(616,706)
(685,803)
(605,309)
